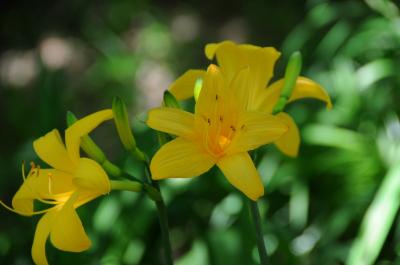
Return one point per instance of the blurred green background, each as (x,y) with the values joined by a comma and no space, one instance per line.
(337,203)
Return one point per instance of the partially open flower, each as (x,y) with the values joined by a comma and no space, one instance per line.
(71,182)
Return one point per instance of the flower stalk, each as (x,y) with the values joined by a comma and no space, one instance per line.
(126,185)
(292,71)
(162,216)
(151,187)
(255,214)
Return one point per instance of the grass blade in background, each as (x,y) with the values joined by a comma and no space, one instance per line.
(377,221)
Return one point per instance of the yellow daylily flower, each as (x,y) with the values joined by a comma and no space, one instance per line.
(261,96)
(71,182)
(220,132)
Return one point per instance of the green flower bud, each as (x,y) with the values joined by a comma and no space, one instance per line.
(292,71)
(122,124)
(170,101)
(197,88)
(124,129)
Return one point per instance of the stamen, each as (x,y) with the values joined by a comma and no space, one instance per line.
(37,170)
(32,165)
(23,171)
(22,213)
(50,177)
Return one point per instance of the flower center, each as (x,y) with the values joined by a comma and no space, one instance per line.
(223,141)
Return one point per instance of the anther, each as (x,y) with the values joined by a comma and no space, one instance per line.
(242,127)
(37,169)
(221,119)
(216,96)
(208,121)
(233,128)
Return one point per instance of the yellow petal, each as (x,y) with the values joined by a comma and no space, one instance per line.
(81,128)
(304,88)
(180,158)
(261,62)
(215,99)
(240,87)
(228,56)
(240,171)
(183,87)
(67,232)
(39,241)
(171,120)
(307,88)
(256,129)
(50,148)
(232,58)
(43,184)
(210,50)
(91,176)
(269,97)
(289,142)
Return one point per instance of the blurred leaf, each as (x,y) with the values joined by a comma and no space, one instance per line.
(377,221)
(196,256)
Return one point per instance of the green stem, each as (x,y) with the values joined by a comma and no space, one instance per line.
(111,168)
(255,214)
(162,217)
(126,185)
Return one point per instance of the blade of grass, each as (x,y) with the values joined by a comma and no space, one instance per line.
(377,221)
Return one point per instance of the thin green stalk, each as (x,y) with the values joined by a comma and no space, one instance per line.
(151,187)
(126,185)
(292,71)
(162,217)
(255,214)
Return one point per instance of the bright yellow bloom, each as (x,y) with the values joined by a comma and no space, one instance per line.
(261,96)
(220,132)
(71,182)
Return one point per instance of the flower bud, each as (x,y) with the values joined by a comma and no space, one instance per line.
(292,71)
(122,124)
(197,88)
(124,128)
(170,101)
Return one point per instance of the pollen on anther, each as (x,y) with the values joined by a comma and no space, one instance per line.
(37,169)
